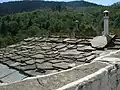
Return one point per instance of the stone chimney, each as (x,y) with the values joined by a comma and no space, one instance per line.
(106,22)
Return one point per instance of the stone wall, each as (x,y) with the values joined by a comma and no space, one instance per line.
(101,74)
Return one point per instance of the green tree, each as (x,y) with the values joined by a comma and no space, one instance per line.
(3,30)
(33,30)
(13,28)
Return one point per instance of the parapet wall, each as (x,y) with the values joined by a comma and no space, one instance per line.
(102,74)
(107,78)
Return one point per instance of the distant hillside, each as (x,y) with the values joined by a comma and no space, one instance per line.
(117,3)
(20,6)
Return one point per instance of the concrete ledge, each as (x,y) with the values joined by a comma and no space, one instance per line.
(112,58)
(102,74)
(87,83)
(107,78)
(57,80)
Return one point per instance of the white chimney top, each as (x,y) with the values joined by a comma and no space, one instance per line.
(106,11)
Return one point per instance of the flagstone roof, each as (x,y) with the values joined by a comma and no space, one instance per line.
(40,56)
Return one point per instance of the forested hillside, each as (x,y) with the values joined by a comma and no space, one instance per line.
(26,5)
(46,22)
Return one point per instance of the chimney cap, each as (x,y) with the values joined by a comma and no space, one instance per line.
(106,11)
(76,21)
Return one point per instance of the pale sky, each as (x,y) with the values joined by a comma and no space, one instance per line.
(103,2)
